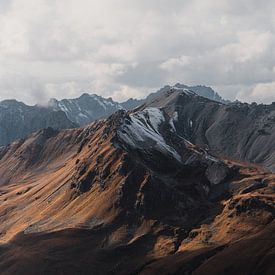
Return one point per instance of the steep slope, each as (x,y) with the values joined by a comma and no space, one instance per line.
(87,108)
(123,196)
(239,131)
(18,120)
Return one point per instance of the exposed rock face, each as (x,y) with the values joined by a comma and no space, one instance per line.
(18,120)
(132,193)
(239,131)
(86,109)
(254,186)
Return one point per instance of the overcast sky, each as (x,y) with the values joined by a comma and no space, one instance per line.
(128,48)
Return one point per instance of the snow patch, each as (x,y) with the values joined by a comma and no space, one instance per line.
(82,115)
(63,107)
(171,122)
(175,116)
(207,156)
(99,101)
(142,130)
(184,90)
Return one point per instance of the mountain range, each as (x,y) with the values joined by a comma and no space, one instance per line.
(177,183)
(18,120)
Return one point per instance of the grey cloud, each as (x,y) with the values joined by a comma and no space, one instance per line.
(5,5)
(119,47)
(146,74)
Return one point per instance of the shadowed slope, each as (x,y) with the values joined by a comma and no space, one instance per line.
(238,131)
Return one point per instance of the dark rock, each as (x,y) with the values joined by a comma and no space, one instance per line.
(217,173)
(254,186)
(86,183)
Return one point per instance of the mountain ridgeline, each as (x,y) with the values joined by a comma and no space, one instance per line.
(18,120)
(234,130)
(135,194)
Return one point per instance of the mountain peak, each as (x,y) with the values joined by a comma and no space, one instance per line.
(86,95)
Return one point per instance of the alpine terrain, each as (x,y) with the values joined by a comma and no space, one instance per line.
(176,184)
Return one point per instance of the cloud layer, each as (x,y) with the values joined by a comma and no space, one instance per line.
(123,48)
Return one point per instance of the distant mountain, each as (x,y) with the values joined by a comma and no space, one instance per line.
(18,120)
(86,109)
(132,103)
(203,91)
(200,90)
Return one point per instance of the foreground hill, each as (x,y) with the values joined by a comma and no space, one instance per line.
(130,195)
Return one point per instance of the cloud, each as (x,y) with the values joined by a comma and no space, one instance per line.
(263,92)
(175,63)
(119,48)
